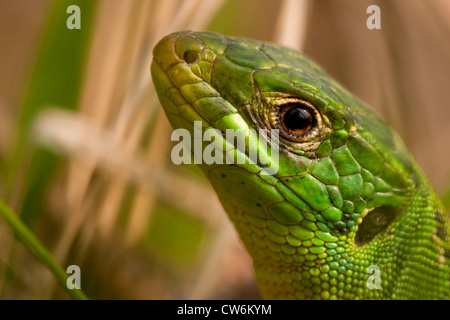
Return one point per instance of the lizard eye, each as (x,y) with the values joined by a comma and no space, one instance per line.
(297,119)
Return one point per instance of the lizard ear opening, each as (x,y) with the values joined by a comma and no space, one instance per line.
(375,222)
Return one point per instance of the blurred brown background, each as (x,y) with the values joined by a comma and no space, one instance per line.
(140,227)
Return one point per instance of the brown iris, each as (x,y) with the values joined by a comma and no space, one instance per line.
(297,119)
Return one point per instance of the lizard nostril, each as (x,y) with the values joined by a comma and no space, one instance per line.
(191,56)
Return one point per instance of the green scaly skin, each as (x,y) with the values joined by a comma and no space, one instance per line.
(346,196)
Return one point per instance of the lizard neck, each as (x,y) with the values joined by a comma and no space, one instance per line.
(408,259)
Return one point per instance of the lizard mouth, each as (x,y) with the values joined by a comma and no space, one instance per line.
(181,70)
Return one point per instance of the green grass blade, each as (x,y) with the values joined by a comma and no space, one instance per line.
(56,81)
(38,249)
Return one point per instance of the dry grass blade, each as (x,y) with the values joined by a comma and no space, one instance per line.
(291,26)
(122,31)
(101,90)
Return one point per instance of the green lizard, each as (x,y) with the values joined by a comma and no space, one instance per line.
(347,203)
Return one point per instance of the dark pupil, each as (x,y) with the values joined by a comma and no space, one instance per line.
(297,119)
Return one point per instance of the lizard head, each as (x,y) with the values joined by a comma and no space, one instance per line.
(332,175)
